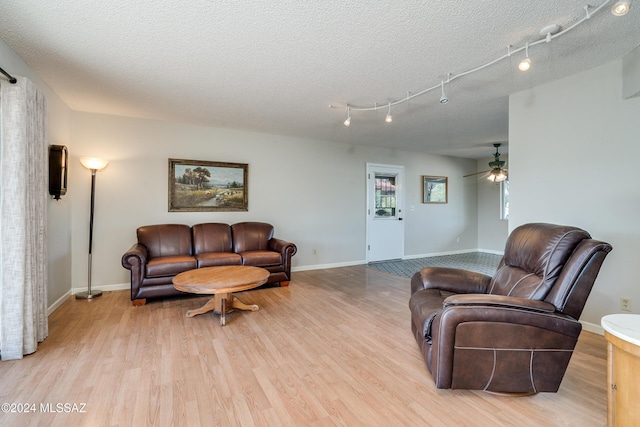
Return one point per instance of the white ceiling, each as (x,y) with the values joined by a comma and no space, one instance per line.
(276,66)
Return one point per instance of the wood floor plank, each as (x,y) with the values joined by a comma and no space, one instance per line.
(333,349)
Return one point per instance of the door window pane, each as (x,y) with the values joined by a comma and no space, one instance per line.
(385,200)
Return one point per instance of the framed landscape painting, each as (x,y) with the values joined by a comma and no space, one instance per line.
(434,189)
(203,186)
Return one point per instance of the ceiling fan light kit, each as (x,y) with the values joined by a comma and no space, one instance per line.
(497,176)
(498,172)
(546,34)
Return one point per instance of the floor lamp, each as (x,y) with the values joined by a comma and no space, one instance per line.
(94,164)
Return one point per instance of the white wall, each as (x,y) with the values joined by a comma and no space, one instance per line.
(492,231)
(58,212)
(313,192)
(574,146)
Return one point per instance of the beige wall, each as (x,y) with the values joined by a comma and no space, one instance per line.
(574,146)
(312,191)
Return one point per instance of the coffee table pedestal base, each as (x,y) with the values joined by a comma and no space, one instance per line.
(219,304)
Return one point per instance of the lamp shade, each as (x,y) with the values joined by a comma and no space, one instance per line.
(94,163)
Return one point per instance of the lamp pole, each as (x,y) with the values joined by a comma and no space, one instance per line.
(94,165)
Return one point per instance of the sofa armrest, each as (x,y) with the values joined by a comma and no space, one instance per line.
(484,300)
(287,249)
(135,257)
(451,280)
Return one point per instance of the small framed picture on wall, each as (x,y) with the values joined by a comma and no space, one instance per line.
(434,189)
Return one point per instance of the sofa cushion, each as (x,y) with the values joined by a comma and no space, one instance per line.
(214,259)
(251,236)
(165,239)
(211,237)
(261,258)
(170,265)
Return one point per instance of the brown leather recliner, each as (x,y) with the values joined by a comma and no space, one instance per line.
(514,332)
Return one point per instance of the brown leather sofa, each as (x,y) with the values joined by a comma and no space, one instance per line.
(514,332)
(165,250)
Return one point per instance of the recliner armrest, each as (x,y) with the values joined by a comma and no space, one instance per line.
(498,301)
(451,280)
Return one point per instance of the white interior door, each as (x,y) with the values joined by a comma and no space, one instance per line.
(385,199)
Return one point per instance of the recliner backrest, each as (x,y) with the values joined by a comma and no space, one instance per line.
(569,294)
(165,239)
(535,255)
(251,236)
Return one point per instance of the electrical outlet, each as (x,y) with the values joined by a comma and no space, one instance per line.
(625,304)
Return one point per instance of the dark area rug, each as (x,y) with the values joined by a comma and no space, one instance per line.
(476,261)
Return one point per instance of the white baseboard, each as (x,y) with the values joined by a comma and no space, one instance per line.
(53,307)
(592,327)
(104,288)
(323,266)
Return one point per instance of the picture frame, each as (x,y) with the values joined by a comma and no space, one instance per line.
(208,186)
(435,189)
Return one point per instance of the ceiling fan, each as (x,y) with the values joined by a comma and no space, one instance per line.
(498,172)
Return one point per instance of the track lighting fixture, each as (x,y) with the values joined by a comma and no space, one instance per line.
(546,34)
(389,118)
(525,64)
(620,8)
(443,97)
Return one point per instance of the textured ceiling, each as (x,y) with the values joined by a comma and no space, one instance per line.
(276,66)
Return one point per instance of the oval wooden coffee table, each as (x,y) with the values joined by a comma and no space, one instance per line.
(221,282)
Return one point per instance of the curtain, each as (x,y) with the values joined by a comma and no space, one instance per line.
(23,214)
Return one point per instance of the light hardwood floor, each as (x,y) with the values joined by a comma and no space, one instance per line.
(333,349)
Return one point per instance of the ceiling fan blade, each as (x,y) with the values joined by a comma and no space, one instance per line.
(477,173)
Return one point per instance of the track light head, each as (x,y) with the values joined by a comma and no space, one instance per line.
(620,8)
(443,98)
(389,117)
(524,65)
